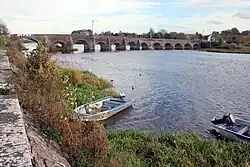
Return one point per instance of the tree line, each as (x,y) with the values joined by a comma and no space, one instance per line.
(162,33)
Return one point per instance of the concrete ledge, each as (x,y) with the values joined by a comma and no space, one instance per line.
(4,63)
(14,145)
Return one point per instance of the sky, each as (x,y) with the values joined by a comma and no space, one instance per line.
(64,16)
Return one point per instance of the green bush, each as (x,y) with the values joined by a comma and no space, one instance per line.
(229,46)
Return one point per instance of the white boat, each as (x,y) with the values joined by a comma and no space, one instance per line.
(101,109)
(231,127)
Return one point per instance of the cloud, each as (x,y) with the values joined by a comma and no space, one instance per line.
(214,3)
(243,15)
(214,22)
(63,16)
(59,9)
(127,15)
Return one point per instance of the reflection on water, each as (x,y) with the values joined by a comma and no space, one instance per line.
(174,90)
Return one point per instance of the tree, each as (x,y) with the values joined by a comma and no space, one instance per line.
(166,35)
(151,31)
(235,31)
(162,31)
(246,32)
(173,35)
(3,28)
(120,32)
(107,33)
(226,32)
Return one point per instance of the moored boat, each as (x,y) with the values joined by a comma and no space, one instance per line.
(101,109)
(231,127)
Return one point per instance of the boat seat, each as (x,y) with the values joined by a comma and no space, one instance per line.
(239,128)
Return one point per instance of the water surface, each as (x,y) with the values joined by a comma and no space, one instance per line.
(177,90)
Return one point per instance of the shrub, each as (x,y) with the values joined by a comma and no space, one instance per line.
(230,46)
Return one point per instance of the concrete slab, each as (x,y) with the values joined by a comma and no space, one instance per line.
(14,146)
(4,62)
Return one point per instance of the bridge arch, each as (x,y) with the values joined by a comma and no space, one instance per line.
(144,46)
(132,45)
(118,46)
(178,46)
(157,46)
(29,39)
(55,43)
(187,46)
(196,46)
(168,46)
(84,43)
(103,46)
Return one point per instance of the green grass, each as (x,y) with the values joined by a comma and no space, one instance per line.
(138,149)
(86,86)
(86,93)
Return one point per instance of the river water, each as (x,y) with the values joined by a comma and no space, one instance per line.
(174,90)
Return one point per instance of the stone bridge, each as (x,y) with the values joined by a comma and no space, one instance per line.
(106,42)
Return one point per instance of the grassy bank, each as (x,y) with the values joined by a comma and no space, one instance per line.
(48,94)
(137,149)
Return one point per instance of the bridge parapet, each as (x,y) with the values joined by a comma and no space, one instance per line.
(107,41)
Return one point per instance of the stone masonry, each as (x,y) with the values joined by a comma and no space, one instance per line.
(14,145)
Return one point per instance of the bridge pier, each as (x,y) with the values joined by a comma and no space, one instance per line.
(105,48)
(88,50)
(120,48)
(134,48)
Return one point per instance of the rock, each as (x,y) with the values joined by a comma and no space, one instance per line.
(44,155)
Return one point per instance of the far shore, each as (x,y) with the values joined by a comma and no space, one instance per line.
(216,50)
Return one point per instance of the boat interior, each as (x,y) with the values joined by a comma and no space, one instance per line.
(238,126)
(100,106)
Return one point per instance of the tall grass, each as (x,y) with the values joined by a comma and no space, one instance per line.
(134,148)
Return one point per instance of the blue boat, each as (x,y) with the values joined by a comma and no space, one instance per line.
(232,128)
(101,109)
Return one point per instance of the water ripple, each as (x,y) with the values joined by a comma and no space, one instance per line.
(177,90)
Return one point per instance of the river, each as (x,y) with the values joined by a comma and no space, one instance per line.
(174,90)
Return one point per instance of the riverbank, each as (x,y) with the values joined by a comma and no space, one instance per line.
(216,50)
(49,93)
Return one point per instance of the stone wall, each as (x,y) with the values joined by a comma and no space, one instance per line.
(14,145)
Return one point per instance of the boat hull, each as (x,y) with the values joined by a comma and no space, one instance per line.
(105,114)
(229,134)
